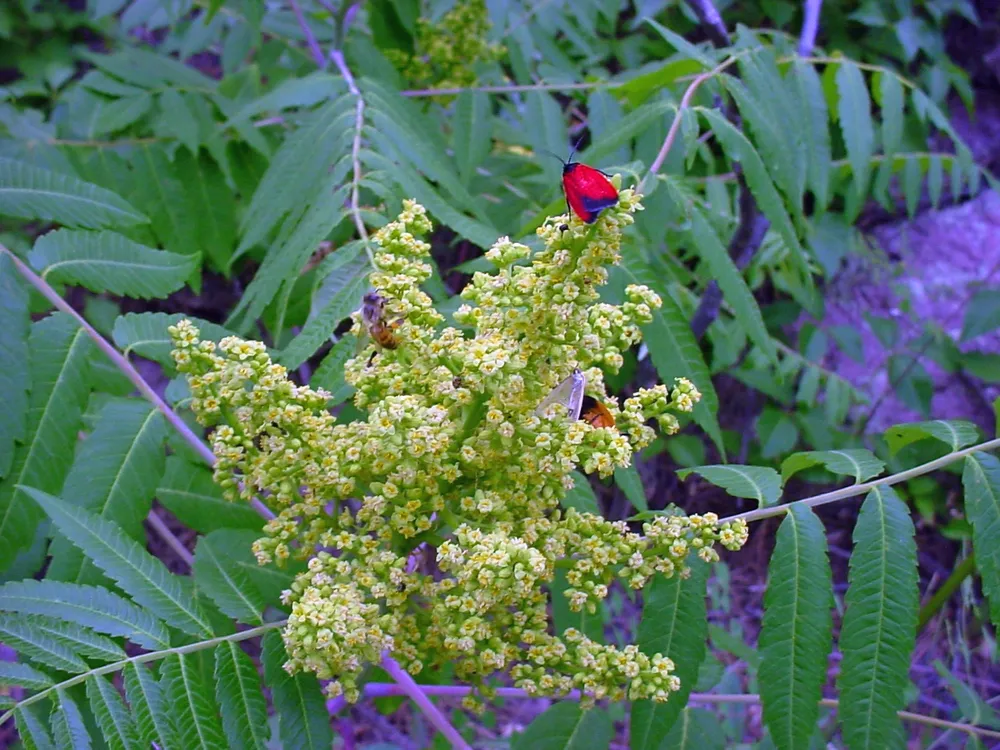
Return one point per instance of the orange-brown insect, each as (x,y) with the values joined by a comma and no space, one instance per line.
(373,317)
(596,414)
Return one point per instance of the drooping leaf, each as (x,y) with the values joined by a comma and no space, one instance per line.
(60,355)
(143,577)
(69,730)
(697,729)
(302,718)
(734,287)
(145,698)
(269,580)
(760,483)
(191,711)
(215,214)
(337,297)
(591,624)
(29,192)
(238,691)
(330,373)
(955,433)
(298,168)
(188,491)
(146,334)
(981,482)
(675,352)
(855,118)
(297,241)
(176,120)
(581,497)
(32,729)
(90,606)
(759,182)
(15,376)
(982,314)
(674,623)
(565,726)
(23,675)
(110,262)
(880,623)
(817,131)
(225,583)
(114,474)
(161,194)
(629,482)
(471,132)
(795,637)
(859,463)
(117,725)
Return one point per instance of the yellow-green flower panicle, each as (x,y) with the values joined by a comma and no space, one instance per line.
(432,525)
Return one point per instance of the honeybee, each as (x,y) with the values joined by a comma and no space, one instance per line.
(570,392)
(376,326)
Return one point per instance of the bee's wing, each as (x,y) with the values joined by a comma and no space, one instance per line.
(569,392)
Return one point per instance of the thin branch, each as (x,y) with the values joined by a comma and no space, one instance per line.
(710,19)
(410,688)
(126,367)
(515,88)
(810,27)
(359,122)
(170,538)
(860,489)
(675,126)
(149,656)
(383,690)
(746,240)
(314,48)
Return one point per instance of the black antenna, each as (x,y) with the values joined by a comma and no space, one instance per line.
(573,150)
(552,154)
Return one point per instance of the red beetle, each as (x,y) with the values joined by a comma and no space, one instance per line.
(588,191)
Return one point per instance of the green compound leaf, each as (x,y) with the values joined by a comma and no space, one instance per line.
(29,192)
(855,118)
(303,721)
(32,729)
(856,462)
(191,711)
(955,433)
(117,724)
(981,481)
(22,675)
(144,577)
(697,729)
(146,334)
(581,497)
(674,350)
(91,607)
(110,262)
(60,354)
(880,623)
(145,697)
(238,690)
(795,636)
(114,474)
(674,623)
(565,726)
(18,632)
(68,726)
(218,575)
(734,287)
(188,491)
(760,483)
(629,482)
(15,377)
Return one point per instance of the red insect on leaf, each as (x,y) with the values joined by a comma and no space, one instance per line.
(588,191)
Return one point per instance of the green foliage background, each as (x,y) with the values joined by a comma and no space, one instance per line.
(143,189)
